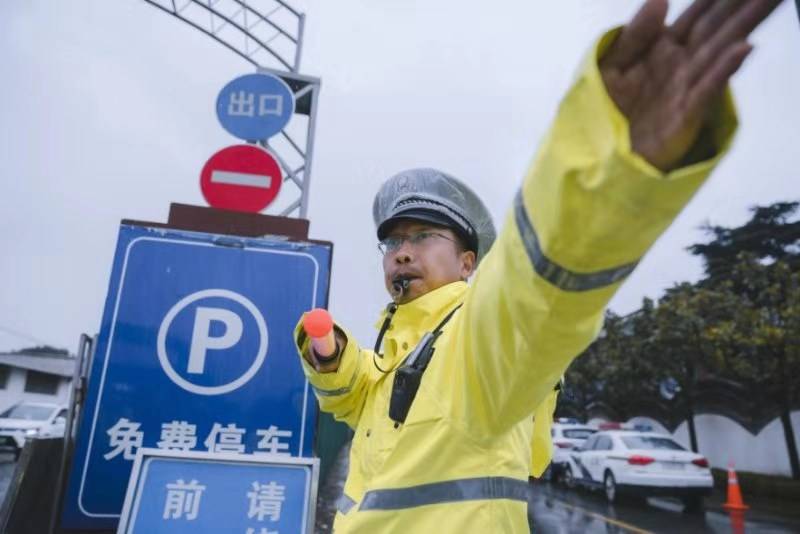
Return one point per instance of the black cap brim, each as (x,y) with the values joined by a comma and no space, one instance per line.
(430,216)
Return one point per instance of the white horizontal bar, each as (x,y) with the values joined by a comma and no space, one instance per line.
(241,178)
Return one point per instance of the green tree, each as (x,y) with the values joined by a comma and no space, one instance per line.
(688,320)
(759,262)
(770,234)
(616,370)
(584,382)
(766,338)
(634,369)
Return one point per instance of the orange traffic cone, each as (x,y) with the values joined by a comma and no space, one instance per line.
(734,502)
(737,521)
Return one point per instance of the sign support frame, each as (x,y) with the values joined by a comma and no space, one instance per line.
(295,155)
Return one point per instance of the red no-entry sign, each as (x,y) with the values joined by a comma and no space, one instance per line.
(241,178)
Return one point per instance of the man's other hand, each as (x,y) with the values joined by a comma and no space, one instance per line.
(665,79)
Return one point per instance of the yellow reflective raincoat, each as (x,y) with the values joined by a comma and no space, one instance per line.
(542,441)
(586,212)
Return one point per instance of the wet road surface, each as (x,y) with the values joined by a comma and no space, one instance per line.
(553,509)
(557,510)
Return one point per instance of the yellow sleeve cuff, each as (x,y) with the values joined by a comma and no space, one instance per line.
(333,383)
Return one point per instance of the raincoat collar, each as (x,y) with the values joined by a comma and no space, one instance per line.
(425,312)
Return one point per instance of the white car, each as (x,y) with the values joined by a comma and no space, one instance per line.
(566,436)
(30,419)
(640,464)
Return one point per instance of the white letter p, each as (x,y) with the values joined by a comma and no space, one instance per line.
(201,335)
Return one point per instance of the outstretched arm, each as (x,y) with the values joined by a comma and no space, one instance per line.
(641,129)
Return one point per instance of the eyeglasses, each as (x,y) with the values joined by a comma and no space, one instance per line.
(394,242)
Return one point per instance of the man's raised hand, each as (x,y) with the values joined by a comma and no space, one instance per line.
(664,79)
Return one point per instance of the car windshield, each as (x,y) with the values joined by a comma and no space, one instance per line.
(651,442)
(578,433)
(30,412)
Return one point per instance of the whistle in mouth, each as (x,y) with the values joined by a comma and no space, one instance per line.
(400,286)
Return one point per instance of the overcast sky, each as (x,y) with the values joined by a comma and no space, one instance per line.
(107,112)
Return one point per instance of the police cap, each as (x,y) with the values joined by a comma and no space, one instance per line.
(432,196)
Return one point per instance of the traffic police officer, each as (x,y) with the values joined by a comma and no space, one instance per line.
(442,406)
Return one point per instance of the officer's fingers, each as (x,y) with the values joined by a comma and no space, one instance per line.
(638,35)
(736,28)
(710,86)
(710,21)
(683,25)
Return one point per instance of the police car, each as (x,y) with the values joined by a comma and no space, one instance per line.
(30,419)
(567,435)
(639,464)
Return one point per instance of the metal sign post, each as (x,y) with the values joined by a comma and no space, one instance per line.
(294,146)
(195,353)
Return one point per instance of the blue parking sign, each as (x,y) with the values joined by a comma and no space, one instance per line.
(255,107)
(183,492)
(195,353)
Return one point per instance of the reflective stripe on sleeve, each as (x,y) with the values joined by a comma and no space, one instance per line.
(466,489)
(554,273)
(340,391)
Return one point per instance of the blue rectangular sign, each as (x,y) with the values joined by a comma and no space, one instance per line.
(195,353)
(175,493)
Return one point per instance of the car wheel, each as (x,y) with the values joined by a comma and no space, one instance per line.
(610,487)
(569,479)
(693,504)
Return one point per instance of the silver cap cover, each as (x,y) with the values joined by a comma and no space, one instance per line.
(434,191)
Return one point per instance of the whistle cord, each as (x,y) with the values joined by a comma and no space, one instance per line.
(390,309)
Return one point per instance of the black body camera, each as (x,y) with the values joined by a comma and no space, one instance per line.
(408,377)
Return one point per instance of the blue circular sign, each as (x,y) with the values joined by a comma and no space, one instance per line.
(255,107)
(228,342)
